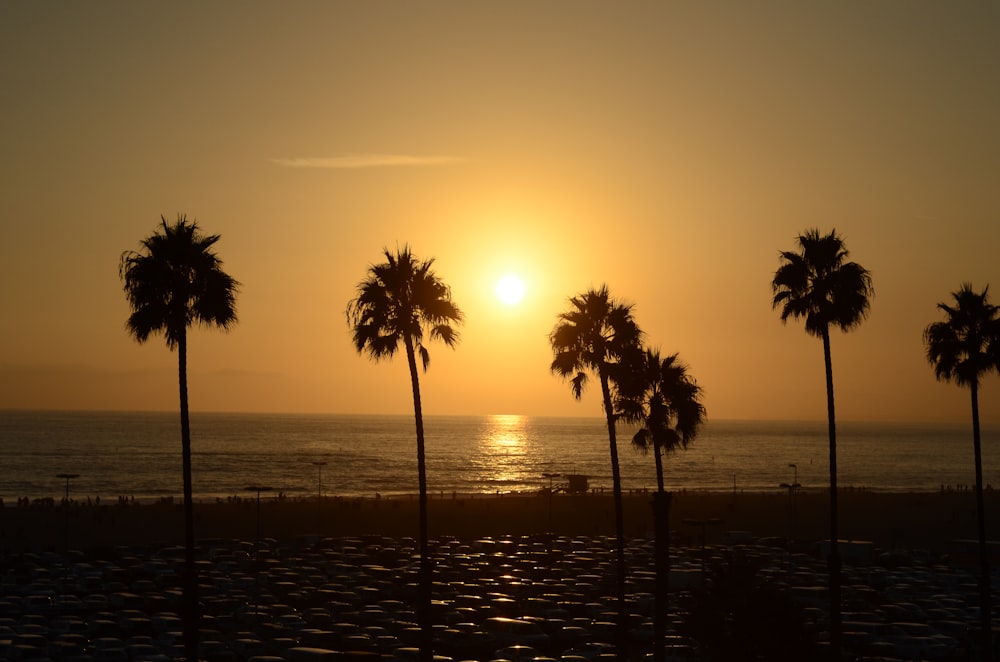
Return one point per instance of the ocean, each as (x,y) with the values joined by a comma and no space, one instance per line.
(138,455)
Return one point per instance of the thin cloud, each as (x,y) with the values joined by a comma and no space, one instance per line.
(366,161)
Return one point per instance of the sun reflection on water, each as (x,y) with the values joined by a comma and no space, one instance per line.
(506,429)
(505,451)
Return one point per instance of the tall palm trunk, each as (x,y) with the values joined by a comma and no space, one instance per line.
(661,555)
(661,552)
(616,483)
(658,459)
(190,586)
(834,560)
(424,580)
(985,617)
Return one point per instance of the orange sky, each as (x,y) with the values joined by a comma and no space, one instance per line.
(668,149)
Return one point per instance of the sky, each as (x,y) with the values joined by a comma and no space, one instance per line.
(669,150)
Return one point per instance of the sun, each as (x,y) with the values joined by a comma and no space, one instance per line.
(510,289)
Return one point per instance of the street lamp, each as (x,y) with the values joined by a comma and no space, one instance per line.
(258,489)
(67,477)
(319,464)
(794,485)
(792,488)
(550,476)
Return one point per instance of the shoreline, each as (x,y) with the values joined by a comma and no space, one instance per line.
(890,520)
(270,494)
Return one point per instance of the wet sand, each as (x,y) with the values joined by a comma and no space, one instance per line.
(905,521)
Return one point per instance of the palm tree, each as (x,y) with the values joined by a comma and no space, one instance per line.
(666,403)
(397,302)
(819,284)
(964,348)
(177,280)
(599,335)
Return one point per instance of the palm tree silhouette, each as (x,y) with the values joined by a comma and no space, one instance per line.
(965,347)
(599,335)
(819,284)
(398,300)
(177,280)
(660,396)
(666,403)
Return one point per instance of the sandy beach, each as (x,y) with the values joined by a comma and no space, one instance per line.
(909,521)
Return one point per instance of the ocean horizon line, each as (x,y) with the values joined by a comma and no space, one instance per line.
(208,412)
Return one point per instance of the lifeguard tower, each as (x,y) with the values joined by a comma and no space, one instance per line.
(577,483)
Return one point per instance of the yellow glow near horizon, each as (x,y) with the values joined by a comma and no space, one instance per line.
(510,289)
(507,428)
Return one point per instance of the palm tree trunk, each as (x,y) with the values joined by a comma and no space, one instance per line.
(661,550)
(834,559)
(424,580)
(985,617)
(190,586)
(616,483)
(658,455)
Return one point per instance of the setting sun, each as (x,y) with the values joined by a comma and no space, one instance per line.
(510,289)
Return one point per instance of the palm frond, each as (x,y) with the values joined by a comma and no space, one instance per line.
(664,400)
(566,363)
(818,285)
(445,333)
(175,281)
(642,440)
(966,344)
(594,335)
(402,299)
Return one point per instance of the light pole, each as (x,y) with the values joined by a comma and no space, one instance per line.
(258,489)
(67,477)
(792,488)
(319,464)
(550,476)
